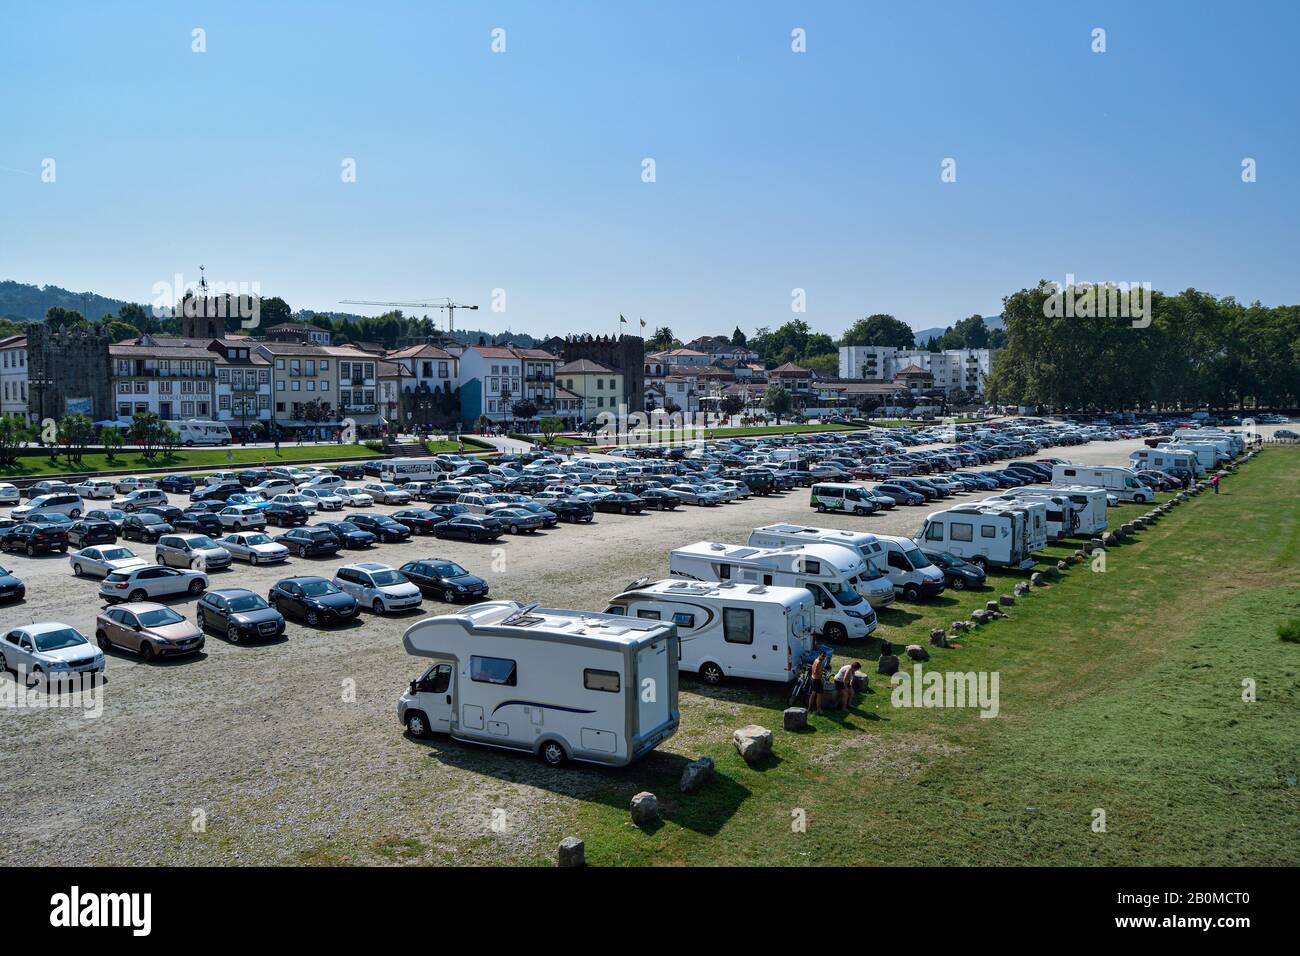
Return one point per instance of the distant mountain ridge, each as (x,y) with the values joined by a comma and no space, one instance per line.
(22,302)
(924,335)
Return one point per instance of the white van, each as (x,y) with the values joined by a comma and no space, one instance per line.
(401,470)
(728,629)
(194,432)
(1164,459)
(840,612)
(839,496)
(913,574)
(1061,518)
(983,537)
(1121,482)
(1089,502)
(1208,455)
(561,684)
(1233,442)
(873,584)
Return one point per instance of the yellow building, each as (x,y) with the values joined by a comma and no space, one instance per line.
(599,388)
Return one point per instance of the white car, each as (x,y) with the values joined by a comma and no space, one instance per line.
(9,494)
(325,481)
(274,486)
(354,497)
(48,649)
(133,483)
(377,586)
(102,560)
(140,498)
(150,582)
(95,488)
(389,494)
(324,499)
(221,478)
(241,516)
(255,547)
(57,503)
(311,504)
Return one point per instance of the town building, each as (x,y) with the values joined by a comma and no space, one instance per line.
(953,370)
(13,377)
(494,378)
(597,388)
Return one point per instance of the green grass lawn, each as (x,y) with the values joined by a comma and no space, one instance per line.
(129,460)
(1119,691)
(451,445)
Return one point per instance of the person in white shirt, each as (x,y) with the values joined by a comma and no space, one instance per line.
(844,683)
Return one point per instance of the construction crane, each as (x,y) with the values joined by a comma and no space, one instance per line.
(445,304)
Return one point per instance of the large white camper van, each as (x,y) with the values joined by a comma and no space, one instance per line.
(1089,502)
(401,470)
(1208,454)
(728,629)
(982,536)
(1121,482)
(560,684)
(1233,442)
(873,584)
(827,570)
(1165,459)
(1033,532)
(1060,517)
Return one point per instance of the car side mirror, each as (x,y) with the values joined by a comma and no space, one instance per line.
(415,686)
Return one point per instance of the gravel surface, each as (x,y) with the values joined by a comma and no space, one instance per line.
(291,751)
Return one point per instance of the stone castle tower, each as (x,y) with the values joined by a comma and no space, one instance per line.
(625,354)
(68,371)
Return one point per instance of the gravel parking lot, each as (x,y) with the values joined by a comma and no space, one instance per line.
(274,753)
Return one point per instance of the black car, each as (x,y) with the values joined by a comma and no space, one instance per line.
(347,534)
(448,510)
(549,518)
(381,526)
(313,599)
(239,614)
(144,526)
(444,579)
(659,498)
(220,492)
(11,589)
(88,531)
(957,574)
(572,509)
(285,515)
(168,513)
(469,527)
(351,472)
(418,520)
(33,538)
(205,507)
(107,514)
(177,484)
(199,522)
(620,502)
(309,542)
(252,476)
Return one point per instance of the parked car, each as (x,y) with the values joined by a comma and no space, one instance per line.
(196,551)
(9,494)
(418,520)
(957,574)
(168,513)
(130,483)
(661,499)
(469,527)
(323,498)
(446,580)
(11,588)
(144,527)
(107,514)
(69,504)
(692,495)
(381,526)
(151,581)
(88,531)
(135,500)
(34,538)
(549,518)
(252,499)
(350,471)
(515,520)
(242,517)
(218,492)
(100,562)
(377,587)
(354,497)
(37,652)
(347,534)
(387,493)
(309,542)
(239,615)
(198,522)
(315,600)
(274,486)
(285,515)
(572,509)
(95,488)
(255,547)
(177,484)
(619,502)
(150,630)
(307,504)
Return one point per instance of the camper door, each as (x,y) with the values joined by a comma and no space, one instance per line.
(653,688)
(435,694)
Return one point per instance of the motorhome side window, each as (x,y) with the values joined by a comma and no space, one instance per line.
(988,531)
(492,670)
(649,615)
(811,566)
(963,532)
(724,572)
(606,681)
(682,619)
(1070,472)
(737,625)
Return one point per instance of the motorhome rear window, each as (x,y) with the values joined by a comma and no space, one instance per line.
(737,625)
(606,681)
(963,532)
(492,670)
(988,531)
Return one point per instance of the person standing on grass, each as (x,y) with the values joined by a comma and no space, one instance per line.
(815,681)
(844,683)
(1214,483)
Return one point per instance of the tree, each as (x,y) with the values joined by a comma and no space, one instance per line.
(60,318)
(662,341)
(778,402)
(826,364)
(13,433)
(738,338)
(525,409)
(111,438)
(550,427)
(732,404)
(75,432)
(146,431)
(879,329)
(273,311)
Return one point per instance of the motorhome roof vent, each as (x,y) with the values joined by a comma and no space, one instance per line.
(520,618)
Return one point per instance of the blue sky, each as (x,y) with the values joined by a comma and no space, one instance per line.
(522,170)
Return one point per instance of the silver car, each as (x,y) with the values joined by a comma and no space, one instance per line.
(355,497)
(377,586)
(255,547)
(35,652)
(322,498)
(389,494)
(151,582)
(102,560)
(196,551)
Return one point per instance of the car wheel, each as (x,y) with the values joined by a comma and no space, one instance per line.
(417,725)
(77,570)
(552,754)
(147,653)
(711,674)
(197,586)
(980,562)
(821,509)
(196,564)
(313,618)
(31,552)
(102,639)
(378,606)
(137,595)
(514,529)
(74,514)
(911,593)
(958,583)
(835,633)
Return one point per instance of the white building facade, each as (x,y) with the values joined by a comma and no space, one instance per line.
(13,377)
(953,369)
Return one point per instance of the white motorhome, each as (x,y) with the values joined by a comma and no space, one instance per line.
(982,536)
(728,629)
(194,432)
(1034,533)
(913,574)
(1208,454)
(1061,518)
(561,684)
(1121,482)
(828,571)
(873,584)
(401,470)
(1165,459)
(1089,502)
(1236,442)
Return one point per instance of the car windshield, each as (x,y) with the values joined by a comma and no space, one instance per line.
(318,587)
(112,554)
(57,640)
(386,578)
(915,556)
(844,593)
(257,539)
(160,618)
(247,602)
(448,569)
(202,541)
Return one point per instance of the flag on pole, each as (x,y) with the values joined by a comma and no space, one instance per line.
(643,323)
(621,319)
